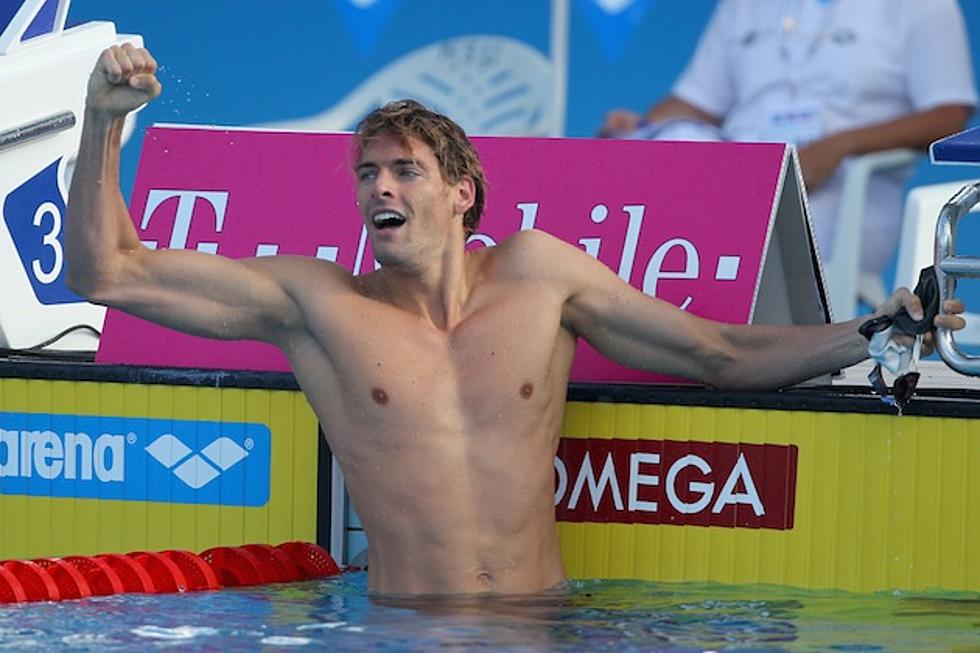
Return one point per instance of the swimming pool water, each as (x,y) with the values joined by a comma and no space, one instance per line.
(594,615)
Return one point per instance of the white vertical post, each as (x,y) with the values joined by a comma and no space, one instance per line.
(559,65)
(338,513)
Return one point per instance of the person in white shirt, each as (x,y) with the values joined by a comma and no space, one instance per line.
(837,78)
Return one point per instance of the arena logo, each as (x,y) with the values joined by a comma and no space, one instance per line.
(224,463)
(48,455)
(197,469)
(676,482)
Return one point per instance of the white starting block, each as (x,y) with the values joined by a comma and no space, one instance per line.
(44,71)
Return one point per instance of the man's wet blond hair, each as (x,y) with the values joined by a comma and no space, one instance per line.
(404,119)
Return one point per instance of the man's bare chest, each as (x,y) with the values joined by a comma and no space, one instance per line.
(507,353)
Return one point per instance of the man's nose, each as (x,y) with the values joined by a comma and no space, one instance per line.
(384,184)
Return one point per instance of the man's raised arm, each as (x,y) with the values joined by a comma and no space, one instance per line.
(198,293)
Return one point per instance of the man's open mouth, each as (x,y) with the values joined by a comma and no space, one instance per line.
(387,219)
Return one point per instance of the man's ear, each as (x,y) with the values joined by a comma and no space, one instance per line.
(465,191)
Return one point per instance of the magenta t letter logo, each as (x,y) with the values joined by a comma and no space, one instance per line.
(185,211)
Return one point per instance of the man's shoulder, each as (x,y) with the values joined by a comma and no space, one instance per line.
(536,252)
(531,242)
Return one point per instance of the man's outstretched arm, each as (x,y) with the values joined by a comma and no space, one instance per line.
(643,332)
(199,293)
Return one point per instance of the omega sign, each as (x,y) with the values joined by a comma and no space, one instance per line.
(675,482)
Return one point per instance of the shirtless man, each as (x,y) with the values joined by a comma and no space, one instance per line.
(440,379)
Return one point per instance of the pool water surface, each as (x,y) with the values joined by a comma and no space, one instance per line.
(595,615)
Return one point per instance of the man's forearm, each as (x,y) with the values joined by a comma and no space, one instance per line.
(916,130)
(770,357)
(98,225)
(674,107)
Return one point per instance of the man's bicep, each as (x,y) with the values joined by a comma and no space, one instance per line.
(206,295)
(640,331)
(621,322)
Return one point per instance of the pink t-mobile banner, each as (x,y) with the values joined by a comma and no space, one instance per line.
(686,222)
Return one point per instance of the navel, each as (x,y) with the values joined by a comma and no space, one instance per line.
(527,390)
(380,396)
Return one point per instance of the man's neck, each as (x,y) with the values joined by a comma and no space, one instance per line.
(436,293)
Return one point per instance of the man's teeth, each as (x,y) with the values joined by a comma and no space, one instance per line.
(387,219)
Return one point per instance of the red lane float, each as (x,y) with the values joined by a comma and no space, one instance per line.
(278,566)
(167,576)
(11,591)
(37,583)
(234,566)
(313,560)
(76,577)
(101,578)
(71,584)
(198,574)
(133,575)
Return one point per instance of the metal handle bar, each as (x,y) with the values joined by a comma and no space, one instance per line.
(949,267)
(53,124)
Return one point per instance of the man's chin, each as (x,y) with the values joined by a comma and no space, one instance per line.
(391,251)
(386,256)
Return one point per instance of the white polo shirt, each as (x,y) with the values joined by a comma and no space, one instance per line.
(796,70)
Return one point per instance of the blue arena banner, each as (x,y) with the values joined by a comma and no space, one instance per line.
(135,459)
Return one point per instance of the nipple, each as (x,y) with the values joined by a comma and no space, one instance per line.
(380,396)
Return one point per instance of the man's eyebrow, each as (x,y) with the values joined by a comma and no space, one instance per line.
(408,162)
(396,162)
